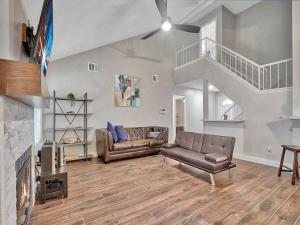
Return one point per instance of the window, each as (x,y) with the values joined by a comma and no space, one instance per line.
(38,125)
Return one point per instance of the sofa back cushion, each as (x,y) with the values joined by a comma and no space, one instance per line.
(220,144)
(164,131)
(147,130)
(185,139)
(198,142)
(112,130)
(121,133)
(136,133)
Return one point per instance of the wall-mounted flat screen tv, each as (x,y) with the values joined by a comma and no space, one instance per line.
(44,37)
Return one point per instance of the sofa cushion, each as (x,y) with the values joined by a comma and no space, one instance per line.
(198,142)
(180,153)
(169,145)
(112,130)
(155,135)
(135,133)
(185,139)
(215,157)
(164,130)
(146,131)
(156,142)
(140,143)
(121,133)
(220,144)
(122,145)
(194,158)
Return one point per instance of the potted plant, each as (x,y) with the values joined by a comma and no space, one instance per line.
(71,97)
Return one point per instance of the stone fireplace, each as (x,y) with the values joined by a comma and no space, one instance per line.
(16,160)
(23,188)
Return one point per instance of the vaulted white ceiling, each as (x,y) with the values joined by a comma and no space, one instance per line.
(83,25)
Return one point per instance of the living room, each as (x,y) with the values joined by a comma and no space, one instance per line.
(149,112)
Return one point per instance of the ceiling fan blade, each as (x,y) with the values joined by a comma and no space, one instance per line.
(144,58)
(148,59)
(162,8)
(150,34)
(187,28)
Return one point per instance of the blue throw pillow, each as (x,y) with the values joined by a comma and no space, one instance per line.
(112,130)
(121,133)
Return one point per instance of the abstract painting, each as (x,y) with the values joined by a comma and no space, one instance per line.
(127,91)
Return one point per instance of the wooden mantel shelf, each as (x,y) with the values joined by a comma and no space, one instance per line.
(23,82)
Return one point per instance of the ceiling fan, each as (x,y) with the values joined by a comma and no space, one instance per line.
(166,22)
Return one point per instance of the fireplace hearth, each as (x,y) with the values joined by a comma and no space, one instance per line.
(23,188)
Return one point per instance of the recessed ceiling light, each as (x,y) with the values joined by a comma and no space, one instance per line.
(166,26)
(211,87)
(227,102)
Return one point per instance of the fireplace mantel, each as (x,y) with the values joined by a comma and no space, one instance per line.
(23,82)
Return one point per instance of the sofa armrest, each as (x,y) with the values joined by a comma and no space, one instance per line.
(215,157)
(169,145)
(104,143)
(165,132)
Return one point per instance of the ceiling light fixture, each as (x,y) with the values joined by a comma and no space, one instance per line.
(211,87)
(166,26)
(227,102)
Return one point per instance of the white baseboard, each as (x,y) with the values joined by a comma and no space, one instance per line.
(259,160)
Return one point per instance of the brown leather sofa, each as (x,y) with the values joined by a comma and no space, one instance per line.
(137,145)
(210,153)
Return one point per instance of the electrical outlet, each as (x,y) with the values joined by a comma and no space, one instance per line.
(269,148)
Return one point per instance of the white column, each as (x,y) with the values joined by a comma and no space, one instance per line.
(4,29)
(296,58)
(205,103)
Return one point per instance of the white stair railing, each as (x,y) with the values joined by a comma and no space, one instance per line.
(234,112)
(263,77)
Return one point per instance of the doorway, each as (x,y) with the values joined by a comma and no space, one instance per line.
(179,114)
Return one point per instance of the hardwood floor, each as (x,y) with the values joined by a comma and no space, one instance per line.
(147,191)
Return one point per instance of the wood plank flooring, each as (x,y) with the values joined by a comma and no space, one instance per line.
(146,191)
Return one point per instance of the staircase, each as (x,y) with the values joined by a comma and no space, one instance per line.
(263,78)
(262,91)
(234,112)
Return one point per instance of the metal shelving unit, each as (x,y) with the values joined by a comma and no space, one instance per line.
(58,111)
(69,128)
(70,114)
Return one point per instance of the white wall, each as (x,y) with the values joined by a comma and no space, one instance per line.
(296,58)
(194,108)
(212,105)
(11,17)
(228,28)
(266,115)
(214,15)
(264,34)
(4,26)
(264,31)
(296,71)
(69,75)
(180,117)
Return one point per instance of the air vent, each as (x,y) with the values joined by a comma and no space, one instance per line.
(92,67)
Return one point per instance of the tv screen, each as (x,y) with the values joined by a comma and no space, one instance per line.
(44,37)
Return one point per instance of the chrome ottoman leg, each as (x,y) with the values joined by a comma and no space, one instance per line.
(212,181)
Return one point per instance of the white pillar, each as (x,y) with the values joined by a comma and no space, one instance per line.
(4,29)
(296,58)
(205,100)
(205,104)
